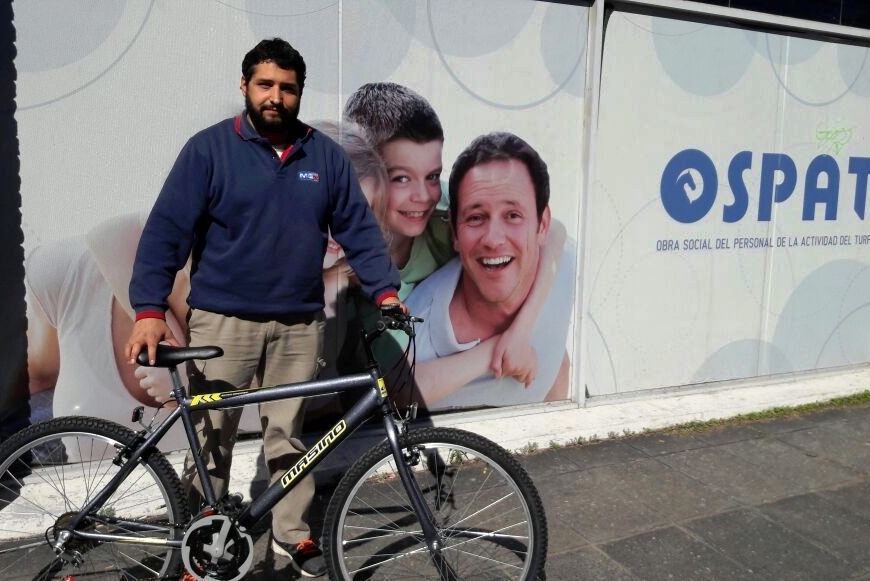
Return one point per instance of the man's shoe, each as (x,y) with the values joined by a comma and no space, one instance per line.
(306,557)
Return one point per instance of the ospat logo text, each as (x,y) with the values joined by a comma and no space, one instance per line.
(690,186)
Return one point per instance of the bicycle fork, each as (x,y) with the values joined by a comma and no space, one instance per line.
(434,542)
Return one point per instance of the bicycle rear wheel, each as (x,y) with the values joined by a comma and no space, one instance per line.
(49,471)
(487,511)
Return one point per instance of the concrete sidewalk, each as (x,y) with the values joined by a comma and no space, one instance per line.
(779,499)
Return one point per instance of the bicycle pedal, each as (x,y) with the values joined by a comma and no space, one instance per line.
(232,503)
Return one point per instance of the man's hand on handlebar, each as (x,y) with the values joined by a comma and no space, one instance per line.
(396,315)
(390,304)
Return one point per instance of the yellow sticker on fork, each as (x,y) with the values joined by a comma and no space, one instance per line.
(383,387)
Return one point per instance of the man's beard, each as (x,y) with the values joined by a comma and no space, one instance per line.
(282,124)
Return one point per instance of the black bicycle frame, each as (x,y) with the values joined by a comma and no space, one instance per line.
(374,403)
(356,416)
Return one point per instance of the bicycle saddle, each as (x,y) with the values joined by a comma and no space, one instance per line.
(167,355)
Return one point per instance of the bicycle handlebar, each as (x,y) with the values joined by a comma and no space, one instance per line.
(393,318)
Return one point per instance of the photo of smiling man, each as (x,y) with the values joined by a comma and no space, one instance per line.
(406,130)
(500,218)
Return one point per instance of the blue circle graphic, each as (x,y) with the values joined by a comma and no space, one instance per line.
(688,187)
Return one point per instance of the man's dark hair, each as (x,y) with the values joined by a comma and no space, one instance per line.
(388,111)
(278,51)
(500,146)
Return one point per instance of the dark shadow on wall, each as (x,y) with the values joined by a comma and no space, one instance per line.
(14,398)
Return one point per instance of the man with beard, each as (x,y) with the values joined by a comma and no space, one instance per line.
(253,199)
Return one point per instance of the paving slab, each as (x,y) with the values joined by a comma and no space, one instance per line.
(672,553)
(545,465)
(854,497)
(766,548)
(798,470)
(563,535)
(760,471)
(857,417)
(673,493)
(597,505)
(729,473)
(587,563)
(832,527)
(585,457)
(837,443)
(669,443)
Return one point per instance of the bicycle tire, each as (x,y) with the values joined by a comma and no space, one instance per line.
(487,511)
(50,470)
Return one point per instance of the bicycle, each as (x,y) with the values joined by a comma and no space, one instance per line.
(83,496)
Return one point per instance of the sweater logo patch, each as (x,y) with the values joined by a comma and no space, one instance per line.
(309,176)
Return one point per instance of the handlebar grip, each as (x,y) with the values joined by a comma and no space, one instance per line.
(393,317)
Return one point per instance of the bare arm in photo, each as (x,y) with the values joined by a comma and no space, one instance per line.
(43,350)
(513,354)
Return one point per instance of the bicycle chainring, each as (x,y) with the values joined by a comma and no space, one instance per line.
(214,548)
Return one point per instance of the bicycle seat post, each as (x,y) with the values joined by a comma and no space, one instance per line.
(177,386)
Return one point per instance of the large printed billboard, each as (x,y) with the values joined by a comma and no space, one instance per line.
(108,93)
(727,224)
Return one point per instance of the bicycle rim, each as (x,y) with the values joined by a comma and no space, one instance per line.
(489,517)
(51,476)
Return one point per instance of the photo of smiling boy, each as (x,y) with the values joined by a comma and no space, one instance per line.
(406,131)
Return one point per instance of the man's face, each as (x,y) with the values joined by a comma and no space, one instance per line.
(414,188)
(498,235)
(272,98)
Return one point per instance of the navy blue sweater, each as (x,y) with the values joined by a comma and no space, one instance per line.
(257,225)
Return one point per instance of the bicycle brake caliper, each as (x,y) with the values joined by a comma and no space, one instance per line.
(124,449)
(412,456)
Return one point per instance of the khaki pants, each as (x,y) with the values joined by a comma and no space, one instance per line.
(285,350)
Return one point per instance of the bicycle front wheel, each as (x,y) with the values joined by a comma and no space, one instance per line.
(488,514)
(49,471)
